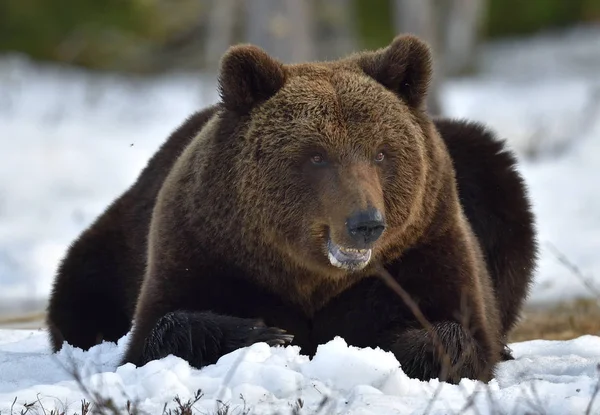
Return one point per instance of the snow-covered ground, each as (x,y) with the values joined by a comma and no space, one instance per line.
(547,377)
(543,96)
(71,141)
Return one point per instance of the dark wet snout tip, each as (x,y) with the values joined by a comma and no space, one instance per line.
(365,227)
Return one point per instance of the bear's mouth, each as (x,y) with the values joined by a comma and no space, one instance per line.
(348,258)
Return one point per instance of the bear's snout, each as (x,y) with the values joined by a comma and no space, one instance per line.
(365,227)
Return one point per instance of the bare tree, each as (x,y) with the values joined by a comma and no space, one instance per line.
(451,27)
(462,33)
(422,18)
(220,30)
(284,28)
(335,25)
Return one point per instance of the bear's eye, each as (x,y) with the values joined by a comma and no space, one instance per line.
(379,157)
(317,159)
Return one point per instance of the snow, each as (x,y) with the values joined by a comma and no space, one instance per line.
(555,377)
(71,141)
(563,138)
(548,110)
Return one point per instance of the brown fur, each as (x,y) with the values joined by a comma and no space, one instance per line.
(95,292)
(240,221)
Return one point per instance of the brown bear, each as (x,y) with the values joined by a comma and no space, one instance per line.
(276,215)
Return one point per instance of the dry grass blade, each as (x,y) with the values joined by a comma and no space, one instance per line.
(40,403)
(447,366)
(575,270)
(85,407)
(588,410)
(395,286)
(470,401)
(13,405)
(414,308)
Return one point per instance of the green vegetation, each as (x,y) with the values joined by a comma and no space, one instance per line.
(503,17)
(83,31)
(120,34)
(98,34)
(374,21)
(518,17)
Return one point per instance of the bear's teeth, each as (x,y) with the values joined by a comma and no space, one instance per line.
(348,258)
(354,251)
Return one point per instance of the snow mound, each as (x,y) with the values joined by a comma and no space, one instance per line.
(556,377)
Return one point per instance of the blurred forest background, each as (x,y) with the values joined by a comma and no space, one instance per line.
(152,36)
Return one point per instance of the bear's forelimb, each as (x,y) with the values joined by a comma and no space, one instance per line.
(202,338)
(451,353)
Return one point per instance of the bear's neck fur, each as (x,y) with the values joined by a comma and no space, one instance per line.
(266,256)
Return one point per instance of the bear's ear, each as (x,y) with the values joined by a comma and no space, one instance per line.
(404,67)
(248,76)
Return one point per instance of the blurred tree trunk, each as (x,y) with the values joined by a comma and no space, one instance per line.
(463,28)
(422,18)
(284,28)
(220,30)
(335,28)
(451,28)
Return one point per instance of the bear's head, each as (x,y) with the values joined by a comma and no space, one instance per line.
(335,155)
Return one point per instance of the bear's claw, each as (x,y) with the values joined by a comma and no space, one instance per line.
(273,336)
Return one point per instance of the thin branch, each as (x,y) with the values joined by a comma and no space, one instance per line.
(575,270)
(414,308)
(588,411)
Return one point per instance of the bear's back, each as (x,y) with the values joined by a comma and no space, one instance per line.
(104,267)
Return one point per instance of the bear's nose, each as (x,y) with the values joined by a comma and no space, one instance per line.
(365,227)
